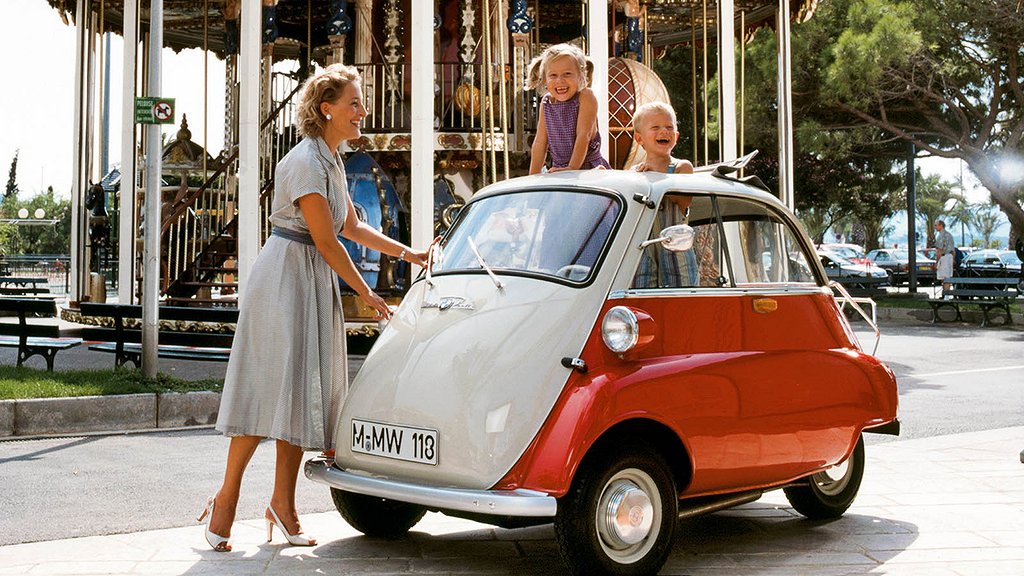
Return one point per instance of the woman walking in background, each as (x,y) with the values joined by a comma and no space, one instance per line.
(287,374)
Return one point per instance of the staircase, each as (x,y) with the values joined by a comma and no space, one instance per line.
(199,229)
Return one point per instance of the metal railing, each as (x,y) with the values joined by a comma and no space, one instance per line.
(462,101)
(56,268)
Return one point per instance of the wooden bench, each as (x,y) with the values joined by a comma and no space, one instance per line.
(187,333)
(17,286)
(863,286)
(32,339)
(988,294)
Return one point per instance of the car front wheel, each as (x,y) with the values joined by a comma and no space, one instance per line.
(828,494)
(376,517)
(620,514)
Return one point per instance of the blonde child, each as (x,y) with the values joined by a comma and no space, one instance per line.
(654,128)
(567,127)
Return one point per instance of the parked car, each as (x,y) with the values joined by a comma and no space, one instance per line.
(897,263)
(836,266)
(537,371)
(852,252)
(991,263)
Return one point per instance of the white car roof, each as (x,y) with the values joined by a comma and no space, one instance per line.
(627,183)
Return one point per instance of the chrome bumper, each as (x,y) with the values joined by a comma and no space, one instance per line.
(494,502)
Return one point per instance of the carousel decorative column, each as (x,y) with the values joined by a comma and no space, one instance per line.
(338,27)
(231,13)
(597,42)
(726,80)
(393,55)
(785,107)
(422,155)
(270,34)
(364,52)
(634,36)
(126,225)
(248,141)
(519,25)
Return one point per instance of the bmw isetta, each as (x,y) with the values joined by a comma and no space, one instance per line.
(610,351)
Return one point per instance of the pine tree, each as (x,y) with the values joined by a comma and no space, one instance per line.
(12,178)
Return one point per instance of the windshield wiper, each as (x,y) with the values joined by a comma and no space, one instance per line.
(483,264)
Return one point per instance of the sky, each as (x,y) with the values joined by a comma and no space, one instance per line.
(37,102)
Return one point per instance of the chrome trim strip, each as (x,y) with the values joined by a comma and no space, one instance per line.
(495,502)
(708,291)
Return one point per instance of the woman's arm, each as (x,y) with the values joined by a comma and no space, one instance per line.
(317,213)
(539,150)
(368,236)
(585,126)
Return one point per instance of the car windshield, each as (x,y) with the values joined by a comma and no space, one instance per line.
(554,233)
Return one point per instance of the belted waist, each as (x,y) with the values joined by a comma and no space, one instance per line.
(293,235)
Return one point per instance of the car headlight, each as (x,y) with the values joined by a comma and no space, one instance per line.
(620,329)
(625,329)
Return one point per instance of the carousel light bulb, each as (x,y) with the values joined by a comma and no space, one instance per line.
(40,213)
(23,213)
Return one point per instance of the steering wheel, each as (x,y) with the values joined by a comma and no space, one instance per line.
(573,272)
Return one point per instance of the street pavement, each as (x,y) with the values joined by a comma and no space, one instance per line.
(945,498)
(946,505)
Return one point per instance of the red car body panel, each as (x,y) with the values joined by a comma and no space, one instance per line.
(750,400)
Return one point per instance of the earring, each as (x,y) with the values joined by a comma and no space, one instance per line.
(328,116)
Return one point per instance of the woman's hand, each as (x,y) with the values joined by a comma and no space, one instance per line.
(377,303)
(417,257)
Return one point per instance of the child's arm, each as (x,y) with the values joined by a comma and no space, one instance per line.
(539,150)
(585,126)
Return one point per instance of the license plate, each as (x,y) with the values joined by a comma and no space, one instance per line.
(393,441)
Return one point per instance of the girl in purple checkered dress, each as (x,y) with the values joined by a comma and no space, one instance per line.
(567,127)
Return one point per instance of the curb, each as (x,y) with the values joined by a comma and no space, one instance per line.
(121,413)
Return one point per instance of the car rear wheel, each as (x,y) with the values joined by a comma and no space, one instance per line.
(620,514)
(376,517)
(830,493)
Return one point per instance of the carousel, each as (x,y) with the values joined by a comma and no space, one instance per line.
(444,83)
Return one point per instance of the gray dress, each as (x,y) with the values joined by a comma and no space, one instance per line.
(287,374)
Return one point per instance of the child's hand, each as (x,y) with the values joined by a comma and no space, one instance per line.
(642,167)
(559,169)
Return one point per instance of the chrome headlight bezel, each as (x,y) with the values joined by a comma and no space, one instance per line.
(620,329)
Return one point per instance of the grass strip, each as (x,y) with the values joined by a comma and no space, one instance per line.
(24,382)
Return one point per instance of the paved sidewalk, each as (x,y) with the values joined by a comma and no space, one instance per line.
(948,505)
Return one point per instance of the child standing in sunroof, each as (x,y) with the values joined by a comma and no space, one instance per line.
(654,128)
(567,128)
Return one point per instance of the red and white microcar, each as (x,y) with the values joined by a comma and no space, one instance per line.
(610,351)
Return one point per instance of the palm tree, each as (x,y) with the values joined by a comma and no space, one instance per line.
(962,213)
(986,220)
(933,194)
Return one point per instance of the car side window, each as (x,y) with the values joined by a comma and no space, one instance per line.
(762,248)
(697,266)
(737,243)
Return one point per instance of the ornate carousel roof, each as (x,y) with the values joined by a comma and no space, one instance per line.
(195,23)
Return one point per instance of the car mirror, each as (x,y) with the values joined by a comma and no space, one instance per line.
(674,238)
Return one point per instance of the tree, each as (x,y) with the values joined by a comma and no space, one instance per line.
(933,195)
(12,177)
(962,213)
(944,74)
(986,220)
(838,169)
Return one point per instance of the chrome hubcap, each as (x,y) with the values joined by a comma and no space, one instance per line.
(628,514)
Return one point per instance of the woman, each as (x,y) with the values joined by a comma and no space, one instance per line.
(286,378)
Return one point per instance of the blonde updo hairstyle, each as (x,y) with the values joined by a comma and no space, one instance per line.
(326,86)
(537,71)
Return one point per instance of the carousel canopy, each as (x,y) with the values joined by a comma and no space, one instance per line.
(195,23)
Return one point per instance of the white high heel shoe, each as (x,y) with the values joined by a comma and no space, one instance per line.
(299,539)
(216,541)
